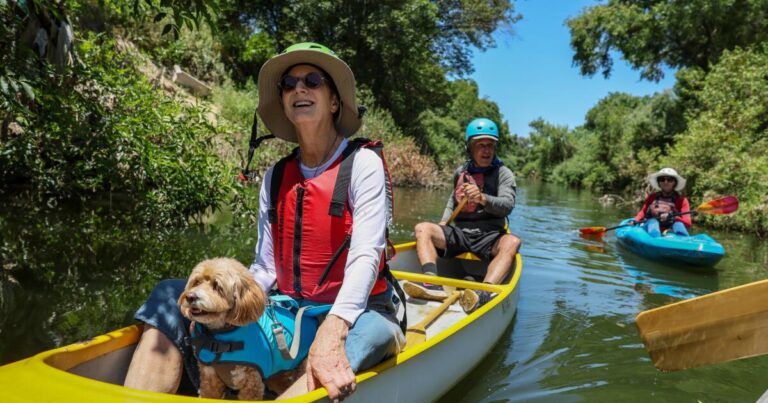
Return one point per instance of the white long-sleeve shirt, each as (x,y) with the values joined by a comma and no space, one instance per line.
(368,205)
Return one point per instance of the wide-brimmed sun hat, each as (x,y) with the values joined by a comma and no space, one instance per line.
(270,105)
(653,178)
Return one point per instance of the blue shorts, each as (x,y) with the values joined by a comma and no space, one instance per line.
(374,337)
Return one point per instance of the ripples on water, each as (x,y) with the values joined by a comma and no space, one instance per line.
(574,337)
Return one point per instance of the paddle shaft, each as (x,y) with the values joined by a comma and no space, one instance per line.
(724,205)
(717,327)
(418,332)
(457,210)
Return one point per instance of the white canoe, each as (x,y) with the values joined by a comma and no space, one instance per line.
(93,370)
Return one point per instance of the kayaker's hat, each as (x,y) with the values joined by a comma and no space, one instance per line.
(270,108)
(653,178)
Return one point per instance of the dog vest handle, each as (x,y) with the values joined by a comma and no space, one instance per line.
(277,329)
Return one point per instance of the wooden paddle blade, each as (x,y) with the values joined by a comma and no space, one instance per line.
(722,326)
(418,333)
(725,205)
(592,230)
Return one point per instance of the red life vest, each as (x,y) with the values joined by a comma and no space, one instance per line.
(662,204)
(312,227)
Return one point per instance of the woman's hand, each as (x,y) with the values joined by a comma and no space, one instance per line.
(327,364)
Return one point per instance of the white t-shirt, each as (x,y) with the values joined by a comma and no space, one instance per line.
(368,205)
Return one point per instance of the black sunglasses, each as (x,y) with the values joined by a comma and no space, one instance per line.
(667,179)
(312,80)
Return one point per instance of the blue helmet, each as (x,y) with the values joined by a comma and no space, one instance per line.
(481,128)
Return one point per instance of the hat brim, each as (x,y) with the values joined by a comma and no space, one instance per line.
(483,136)
(270,105)
(653,179)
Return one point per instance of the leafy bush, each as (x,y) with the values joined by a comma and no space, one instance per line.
(102,128)
(725,149)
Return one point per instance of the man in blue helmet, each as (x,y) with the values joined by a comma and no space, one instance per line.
(486,189)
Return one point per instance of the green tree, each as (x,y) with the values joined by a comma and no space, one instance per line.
(725,148)
(652,33)
(399,49)
(550,145)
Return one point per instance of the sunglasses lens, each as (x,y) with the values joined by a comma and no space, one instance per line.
(666,179)
(288,83)
(313,80)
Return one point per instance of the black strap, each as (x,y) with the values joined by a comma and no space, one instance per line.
(205,341)
(387,274)
(344,246)
(343,178)
(277,180)
(253,144)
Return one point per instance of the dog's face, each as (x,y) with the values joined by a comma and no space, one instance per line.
(222,292)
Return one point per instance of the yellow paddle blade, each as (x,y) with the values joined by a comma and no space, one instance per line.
(722,326)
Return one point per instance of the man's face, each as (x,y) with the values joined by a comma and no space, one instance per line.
(483,151)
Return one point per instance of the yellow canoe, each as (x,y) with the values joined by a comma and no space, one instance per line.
(93,370)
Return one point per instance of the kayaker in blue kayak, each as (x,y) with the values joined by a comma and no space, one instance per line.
(483,197)
(660,207)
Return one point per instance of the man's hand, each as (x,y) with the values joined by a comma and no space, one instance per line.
(473,193)
(664,217)
(327,364)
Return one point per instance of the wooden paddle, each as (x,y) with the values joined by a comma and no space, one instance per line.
(724,205)
(418,333)
(722,326)
(457,210)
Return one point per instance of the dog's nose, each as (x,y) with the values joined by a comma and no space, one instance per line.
(191,297)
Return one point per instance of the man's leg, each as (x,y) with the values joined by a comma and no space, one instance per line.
(503,252)
(429,238)
(156,365)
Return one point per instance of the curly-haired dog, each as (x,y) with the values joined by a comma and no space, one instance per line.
(221,294)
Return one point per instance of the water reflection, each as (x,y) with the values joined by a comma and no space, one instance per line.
(74,273)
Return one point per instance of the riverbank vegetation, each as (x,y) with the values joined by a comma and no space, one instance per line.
(712,126)
(89,111)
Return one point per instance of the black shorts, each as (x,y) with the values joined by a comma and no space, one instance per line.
(460,240)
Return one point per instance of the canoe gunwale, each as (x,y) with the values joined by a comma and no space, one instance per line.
(54,364)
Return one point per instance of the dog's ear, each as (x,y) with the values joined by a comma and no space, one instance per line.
(249,301)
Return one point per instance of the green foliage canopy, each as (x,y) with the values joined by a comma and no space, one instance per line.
(399,49)
(652,33)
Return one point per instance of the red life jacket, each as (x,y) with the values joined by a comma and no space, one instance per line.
(662,204)
(312,226)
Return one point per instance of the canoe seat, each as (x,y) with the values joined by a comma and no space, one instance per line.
(468,256)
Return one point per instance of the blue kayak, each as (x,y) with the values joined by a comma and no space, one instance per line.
(699,250)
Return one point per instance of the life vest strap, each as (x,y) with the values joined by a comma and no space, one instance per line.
(205,341)
(277,179)
(344,177)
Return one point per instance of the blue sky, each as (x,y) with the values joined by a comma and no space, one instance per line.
(529,73)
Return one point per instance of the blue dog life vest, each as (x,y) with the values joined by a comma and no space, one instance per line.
(263,344)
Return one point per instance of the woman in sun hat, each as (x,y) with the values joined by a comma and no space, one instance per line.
(660,206)
(308,250)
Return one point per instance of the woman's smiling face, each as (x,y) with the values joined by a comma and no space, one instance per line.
(303,104)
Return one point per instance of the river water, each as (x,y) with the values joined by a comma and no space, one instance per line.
(79,273)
